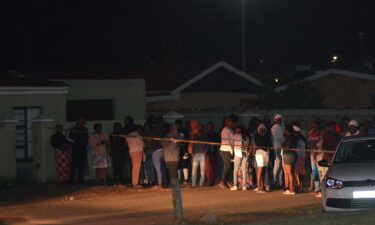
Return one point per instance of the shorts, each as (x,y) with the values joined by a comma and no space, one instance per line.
(289,157)
(262,158)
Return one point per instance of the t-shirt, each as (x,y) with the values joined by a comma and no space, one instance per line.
(200,148)
(226,140)
(171,149)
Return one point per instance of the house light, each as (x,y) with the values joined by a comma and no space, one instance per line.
(276,80)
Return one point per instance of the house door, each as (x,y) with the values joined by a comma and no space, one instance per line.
(24,141)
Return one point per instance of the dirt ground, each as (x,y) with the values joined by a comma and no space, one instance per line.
(56,204)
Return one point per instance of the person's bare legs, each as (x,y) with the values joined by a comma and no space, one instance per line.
(289,177)
(260,179)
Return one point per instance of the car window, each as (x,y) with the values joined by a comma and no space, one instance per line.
(356,151)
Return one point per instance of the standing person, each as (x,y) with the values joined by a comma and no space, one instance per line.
(126,129)
(171,154)
(184,163)
(198,152)
(98,142)
(159,131)
(353,129)
(213,155)
(241,150)
(261,139)
(289,158)
(314,142)
(300,170)
(79,137)
(118,150)
(330,142)
(136,145)
(62,154)
(277,135)
(226,150)
(148,150)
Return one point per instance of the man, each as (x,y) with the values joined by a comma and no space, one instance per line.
(226,150)
(198,152)
(277,135)
(118,148)
(79,137)
(212,159)
(353,129)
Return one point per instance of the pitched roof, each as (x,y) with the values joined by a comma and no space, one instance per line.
(12,79)
(324,73)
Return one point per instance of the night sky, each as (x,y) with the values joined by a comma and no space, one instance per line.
(51,35)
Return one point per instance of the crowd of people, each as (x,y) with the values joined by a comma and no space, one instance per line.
(263,156)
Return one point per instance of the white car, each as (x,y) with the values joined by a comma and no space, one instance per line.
(350,181)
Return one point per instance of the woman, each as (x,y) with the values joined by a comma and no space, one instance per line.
(98,142)
(62,154)
(289,159)
(171,154)
(261,139)
(136,145)
(241,147)
(300,171)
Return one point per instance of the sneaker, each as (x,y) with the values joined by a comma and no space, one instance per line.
(234,188)
(244,188)
(268,188)
(318,195)
(255,189)
(287,192)
(261,192)
(292,193)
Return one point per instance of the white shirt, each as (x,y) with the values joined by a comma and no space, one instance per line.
(226,140)
(277,132)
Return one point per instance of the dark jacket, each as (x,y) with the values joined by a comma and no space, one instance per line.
(80,137)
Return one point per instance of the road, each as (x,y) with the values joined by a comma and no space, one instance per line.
(152,206)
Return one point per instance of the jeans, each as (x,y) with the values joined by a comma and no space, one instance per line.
(199,159)
(278,169)
(226,157)
(149,168)
(158,161)
(240,163)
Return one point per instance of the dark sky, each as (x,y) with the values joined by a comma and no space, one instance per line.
(44,35)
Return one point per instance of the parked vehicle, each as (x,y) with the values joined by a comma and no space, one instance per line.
(350,181)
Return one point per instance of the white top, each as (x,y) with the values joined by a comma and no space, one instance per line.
(277,132)
(135,142)
(240,145)
(226,140)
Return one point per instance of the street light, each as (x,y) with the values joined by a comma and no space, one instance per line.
(334,58)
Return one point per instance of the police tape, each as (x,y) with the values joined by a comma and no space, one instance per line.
(185,141)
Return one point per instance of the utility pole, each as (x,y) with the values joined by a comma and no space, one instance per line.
(243,36)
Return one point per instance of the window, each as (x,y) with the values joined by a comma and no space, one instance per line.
(89,109)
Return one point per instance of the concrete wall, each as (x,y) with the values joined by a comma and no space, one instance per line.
(128,95)
(53,105)
(202,100)
(8,150)
(345,92)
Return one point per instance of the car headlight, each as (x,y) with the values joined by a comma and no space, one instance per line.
(333,183)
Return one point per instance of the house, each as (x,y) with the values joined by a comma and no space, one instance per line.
(30,108)
(341,88)
(193,87)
